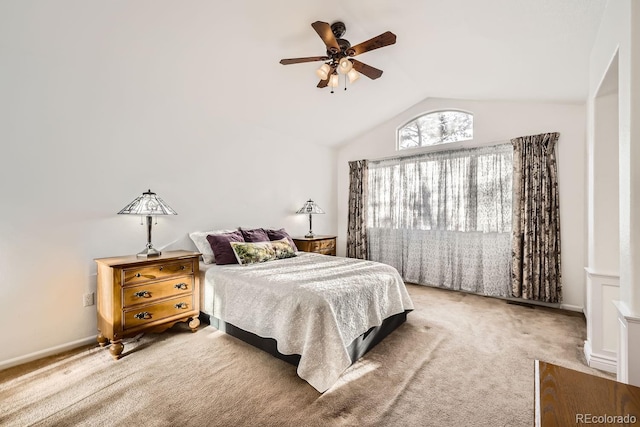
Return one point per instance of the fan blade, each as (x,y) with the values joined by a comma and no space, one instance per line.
(384,39)
(367,70)
(324,31)
(301,60)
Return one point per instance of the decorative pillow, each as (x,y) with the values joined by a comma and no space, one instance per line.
(200,240)
(253,252)
(283,249)
(254,235)
(281,234)
(221,246)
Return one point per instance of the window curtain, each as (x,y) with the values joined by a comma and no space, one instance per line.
(444,218)
(357,225)
(536,219)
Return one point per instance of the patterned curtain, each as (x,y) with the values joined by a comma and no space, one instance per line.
(536,219)
(357,225)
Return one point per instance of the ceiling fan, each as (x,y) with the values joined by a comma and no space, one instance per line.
(340,52)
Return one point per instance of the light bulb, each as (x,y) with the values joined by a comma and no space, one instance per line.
(353,75)
(323,72)
(333,80)
(344,66)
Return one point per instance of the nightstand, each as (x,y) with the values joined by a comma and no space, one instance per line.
(146,295)
(325,245)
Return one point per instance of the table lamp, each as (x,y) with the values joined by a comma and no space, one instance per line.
(149,205)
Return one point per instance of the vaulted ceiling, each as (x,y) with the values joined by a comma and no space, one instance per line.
(218,62)
(490,49)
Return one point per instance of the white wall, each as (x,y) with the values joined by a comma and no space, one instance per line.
(617,38)
(96,108)
(496,121)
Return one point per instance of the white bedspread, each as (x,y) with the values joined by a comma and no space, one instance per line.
(312,305)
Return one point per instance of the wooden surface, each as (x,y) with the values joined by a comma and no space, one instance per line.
(319,244)
(564,397)
(137,295)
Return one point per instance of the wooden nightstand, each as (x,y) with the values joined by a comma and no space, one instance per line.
(319,244)
(146,295)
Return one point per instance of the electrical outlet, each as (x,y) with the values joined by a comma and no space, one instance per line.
(89,299)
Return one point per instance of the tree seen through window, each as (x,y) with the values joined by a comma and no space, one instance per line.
(436,128)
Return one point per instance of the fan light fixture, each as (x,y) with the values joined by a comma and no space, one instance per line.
(344,66)
(323,72)
(334,81)
(353,75)
(149,205)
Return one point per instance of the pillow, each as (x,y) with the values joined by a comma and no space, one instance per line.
(253,252)
(254,235)
(200,240)
(221,246)
(283,249)
(281,234)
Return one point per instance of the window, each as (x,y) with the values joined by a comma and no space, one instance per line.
(443,217)
(439,127)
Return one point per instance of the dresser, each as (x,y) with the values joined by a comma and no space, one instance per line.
(564,397)
(325,245)
(138,295)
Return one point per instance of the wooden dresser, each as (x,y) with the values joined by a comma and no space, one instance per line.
(564,397)
(146,295)
(325,245)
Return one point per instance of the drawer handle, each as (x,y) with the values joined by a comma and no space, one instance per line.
(161,268)
(138,275)
(182,286)
(143,315)
(182,267)
(142,294)
(181,305)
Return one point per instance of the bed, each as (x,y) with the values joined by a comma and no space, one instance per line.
(315,311)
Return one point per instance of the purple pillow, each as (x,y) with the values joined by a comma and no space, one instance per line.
(222,251)
(281,234)
(254,235)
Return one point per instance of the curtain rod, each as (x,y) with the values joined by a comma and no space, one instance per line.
(442,147)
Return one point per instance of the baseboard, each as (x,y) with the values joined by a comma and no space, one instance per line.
(46,352)
(600,361)
(570,307)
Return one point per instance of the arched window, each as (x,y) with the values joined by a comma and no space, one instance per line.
(439,127)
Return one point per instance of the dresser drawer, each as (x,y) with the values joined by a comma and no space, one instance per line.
(154,312)
(147,293)
(133,276)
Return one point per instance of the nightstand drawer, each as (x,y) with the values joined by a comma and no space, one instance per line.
(322,245)
(158,271)
(147,293)
(154,312)
(325,245)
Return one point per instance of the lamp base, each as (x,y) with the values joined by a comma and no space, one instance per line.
(309,235)
(149,253)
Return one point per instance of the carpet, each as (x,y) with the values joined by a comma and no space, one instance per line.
(460,359)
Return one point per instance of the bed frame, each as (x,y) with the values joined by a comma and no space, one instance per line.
(357,348)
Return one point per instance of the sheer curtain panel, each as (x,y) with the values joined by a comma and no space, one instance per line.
(444,218)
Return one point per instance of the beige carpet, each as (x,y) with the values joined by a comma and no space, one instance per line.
(460,360)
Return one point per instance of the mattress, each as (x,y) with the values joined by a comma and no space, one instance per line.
(312,305)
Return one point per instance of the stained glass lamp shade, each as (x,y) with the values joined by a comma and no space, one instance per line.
(310,208)
(149,205)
